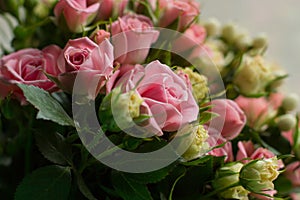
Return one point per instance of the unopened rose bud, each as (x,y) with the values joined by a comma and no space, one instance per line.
(286,122)
(212,27)
(260,41)
(290,102)
(228,177)
(243,41)
(229,32)
(99,36)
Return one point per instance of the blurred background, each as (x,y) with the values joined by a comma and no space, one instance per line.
(280,20)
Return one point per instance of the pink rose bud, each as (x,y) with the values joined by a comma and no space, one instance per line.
(231,118)
(28,66)
(166,96)
(111,8)
(93,61)
(99,36)
(133,36)
(192,37)
(76,13)
(183,10)
(292,172)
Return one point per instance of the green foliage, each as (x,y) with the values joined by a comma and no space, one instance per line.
(49,108)
(129,189)
(7,24)
(47,183)
(53,147)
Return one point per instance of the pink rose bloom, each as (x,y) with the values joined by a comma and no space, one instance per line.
(231,118)
(247,150)
(183,10)
(28,66)
(76,13)
(292,172)
(167,98)
(192,37)
(93,61)
(133,36)
(111,8)
(216,140)
(152,3)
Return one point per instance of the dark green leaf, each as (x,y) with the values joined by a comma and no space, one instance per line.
(150,177)
(49,108)
(129,189)
(53,147)
(47,183)
(84,189)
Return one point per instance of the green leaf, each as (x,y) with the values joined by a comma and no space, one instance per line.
(150,177)
(47,183)
(84,188)
(129,189)
(49,108)
(53,147)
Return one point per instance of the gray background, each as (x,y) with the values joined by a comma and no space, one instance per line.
(280,20)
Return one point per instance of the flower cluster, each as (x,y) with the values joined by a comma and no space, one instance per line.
(198,100)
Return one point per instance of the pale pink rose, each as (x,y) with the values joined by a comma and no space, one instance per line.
(257,110)
(185,11)
(292,172)
(247,150)
(99,36)
(28,66)
(289,135)
(231,118)
(76,13)
(133,36)
(111,8)
(93,61)
(167,98)
(216,140)
(192,37)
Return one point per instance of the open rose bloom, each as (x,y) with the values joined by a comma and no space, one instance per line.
(140,99)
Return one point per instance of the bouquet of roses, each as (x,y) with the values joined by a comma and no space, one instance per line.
(140,99)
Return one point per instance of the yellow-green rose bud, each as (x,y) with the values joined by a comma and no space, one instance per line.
(260,41)
(253,75)
(229,32)
(212,27)
(290,102)
(227,176)
(243,41)
(286,122)
(259,175)
(198,145)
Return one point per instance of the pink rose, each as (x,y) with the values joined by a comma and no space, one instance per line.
(111,8)
(192,37)
(166,96)
(140,4)
(259,110)
(76,13)
(93,61)
(133,36)
(183,10)
(28,66)
(292,172)
(247,150)
(215,140)
(231,115)
(262,197)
